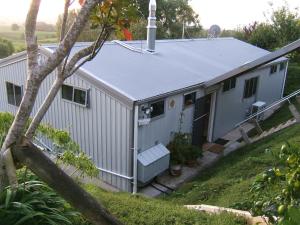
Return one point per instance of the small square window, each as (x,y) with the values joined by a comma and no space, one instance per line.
(229,84)
(273,69)
(282,66)
(189,99)
(75,95)
(250,87)
(157,108)
(14,94)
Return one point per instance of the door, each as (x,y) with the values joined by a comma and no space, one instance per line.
(201,120)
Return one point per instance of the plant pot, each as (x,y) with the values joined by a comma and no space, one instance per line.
(176,170)
(192,163)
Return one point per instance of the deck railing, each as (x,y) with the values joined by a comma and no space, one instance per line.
(282,100)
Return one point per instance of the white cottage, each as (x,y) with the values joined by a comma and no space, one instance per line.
(123,107)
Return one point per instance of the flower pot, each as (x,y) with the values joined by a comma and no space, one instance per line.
(176,170)
(192,163)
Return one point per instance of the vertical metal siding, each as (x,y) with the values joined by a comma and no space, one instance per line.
(102,131)
(231,107)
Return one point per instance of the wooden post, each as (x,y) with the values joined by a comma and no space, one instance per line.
(245,135)
(294,112)
(257,126)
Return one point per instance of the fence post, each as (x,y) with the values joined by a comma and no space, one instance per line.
(245,135)
(294,112)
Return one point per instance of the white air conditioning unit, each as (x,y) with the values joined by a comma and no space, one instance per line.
(257,107)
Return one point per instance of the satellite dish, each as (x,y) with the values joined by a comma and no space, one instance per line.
(214,31)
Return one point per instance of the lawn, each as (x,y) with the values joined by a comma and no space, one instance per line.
(138,210)
(229,181)
(18,39)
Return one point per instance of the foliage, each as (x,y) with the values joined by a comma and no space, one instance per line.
(115,15)
(286,204)
(64,147)
(264,36)
(182,150)
(42,26)
(35,203)
(171,14)
(135,209)
(15,27)
(6,48)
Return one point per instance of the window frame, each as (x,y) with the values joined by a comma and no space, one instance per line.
(282,66)
(87,95)
(252,92)
(231,84)
(14,86)
(194,96)
(164,109)
(272,70)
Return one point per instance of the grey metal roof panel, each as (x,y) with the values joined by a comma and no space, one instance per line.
(176,64)
(153,154)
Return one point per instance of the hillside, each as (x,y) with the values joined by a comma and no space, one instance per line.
(229,181)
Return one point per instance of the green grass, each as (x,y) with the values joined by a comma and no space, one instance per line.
(18,40)
(229,181)
(138,210)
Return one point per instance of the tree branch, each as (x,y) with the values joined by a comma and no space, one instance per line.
(71,37)
(65,19)
(47,171)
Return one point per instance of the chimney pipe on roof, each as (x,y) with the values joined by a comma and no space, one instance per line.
(151,28)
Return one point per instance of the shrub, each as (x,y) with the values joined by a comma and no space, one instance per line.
(182,150)
(284,204)
(6,48)
(35,203)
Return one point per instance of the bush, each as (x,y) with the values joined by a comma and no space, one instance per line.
(182,150)
(285,204)
(6,48)
(35,203)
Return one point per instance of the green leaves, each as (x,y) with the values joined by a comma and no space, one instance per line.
(34,203)
(286,204)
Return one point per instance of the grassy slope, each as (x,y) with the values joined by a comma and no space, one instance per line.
(228,182)
(137,210)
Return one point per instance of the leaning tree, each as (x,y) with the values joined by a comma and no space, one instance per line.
(107,16)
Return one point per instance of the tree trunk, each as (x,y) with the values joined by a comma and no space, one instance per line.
(44,107)
(29,155)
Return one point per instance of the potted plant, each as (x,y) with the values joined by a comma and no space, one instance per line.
(191,154)
(176,155)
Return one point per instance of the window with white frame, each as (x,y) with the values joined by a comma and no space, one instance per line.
(229,84)
(157,108)
(250,87)
(14,94)
(76,95)
(273,69)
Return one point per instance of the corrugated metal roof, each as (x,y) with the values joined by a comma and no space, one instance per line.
(152,154)
(176,64)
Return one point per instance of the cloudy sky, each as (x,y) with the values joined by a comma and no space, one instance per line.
(227,14)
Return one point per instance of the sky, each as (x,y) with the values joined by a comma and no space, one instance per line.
(227,14)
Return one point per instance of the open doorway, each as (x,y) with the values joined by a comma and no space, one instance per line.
(201,120)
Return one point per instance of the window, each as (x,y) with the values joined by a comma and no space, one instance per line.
(76,95)
(250,87)
(273,69)
(229,84)
(14,94)
(189,99)
(282,66)
(157,108)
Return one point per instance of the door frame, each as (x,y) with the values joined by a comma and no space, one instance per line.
(212,113)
